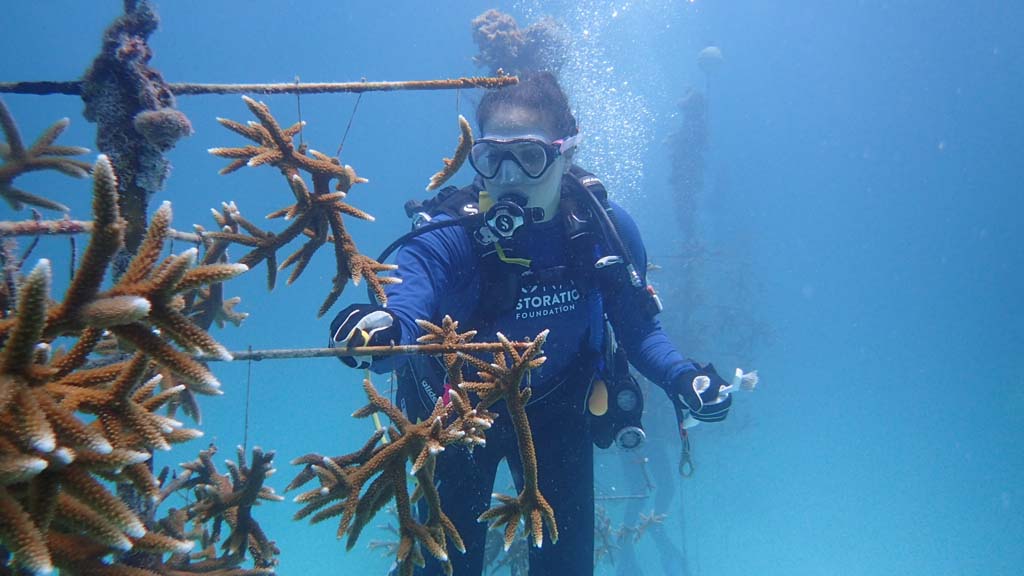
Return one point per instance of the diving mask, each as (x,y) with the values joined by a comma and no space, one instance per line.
(532,155)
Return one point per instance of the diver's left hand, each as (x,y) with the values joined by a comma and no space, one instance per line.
(701,391)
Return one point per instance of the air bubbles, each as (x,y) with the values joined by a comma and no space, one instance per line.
(599,77)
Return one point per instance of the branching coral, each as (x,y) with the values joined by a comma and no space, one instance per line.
(230,498)
(452,165)
(501,380)
(208,306)
(382,466)
(516,559)
(317,214)
(356,486)
(609,539)
(65,427)
(605,538)
(51,456)
(148,295)
(219,499)
(43,154)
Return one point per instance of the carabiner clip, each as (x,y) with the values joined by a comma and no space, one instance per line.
(686,467)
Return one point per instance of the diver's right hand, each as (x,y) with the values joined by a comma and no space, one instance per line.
(363,325)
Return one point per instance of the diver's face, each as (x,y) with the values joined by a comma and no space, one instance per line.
(510,182)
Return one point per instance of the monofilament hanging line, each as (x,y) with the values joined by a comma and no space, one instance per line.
(298,105)
(74,256)
(248,389)
(349,125)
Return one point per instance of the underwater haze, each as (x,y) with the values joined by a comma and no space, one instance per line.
(855,235)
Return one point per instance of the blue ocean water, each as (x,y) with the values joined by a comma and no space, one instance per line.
(861,207)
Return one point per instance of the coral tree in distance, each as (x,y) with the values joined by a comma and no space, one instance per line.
(505,47)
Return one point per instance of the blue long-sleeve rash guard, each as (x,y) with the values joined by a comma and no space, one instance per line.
(440,275)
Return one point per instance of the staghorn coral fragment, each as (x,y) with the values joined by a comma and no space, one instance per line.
(316,214)
(76,357)
(71,430)
(152,246)
(274,145)
(42,155)
(22,538)
(67,430)
(312,461)
(231,499)
(154,402)
(161,285)
(182,435)
(264,243)
(179,363)
(452,165)
(88,377)
(30,424)
(359,267)
(448,335)
(502,380)
(114,460)
(210,274)
(120,413)
(356,486)
(16,358)
(380,468)
(158,284)
(114,311)
(84,487)
(107,238)
(155,542)
(17,468)
(185,399)
(646,521)
(76,516)
(227,313)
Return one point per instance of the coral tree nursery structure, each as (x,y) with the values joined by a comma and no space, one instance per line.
(70,425)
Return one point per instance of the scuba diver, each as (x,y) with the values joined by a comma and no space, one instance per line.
(533,243)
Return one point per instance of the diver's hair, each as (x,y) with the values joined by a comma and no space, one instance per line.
(537,90)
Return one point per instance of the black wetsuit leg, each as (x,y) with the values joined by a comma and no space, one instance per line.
(565,462)
(565,471)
